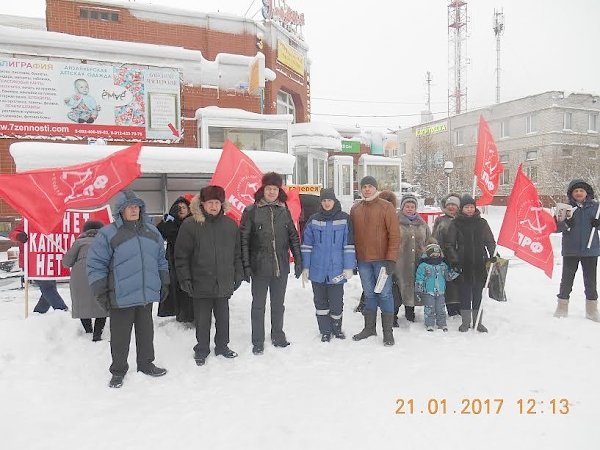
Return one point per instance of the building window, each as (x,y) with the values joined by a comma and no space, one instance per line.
(98,15)
(531,155)
(458,137)
(567,152)
(593,122)
(285,104)
(530,124)
(402,149)
(532,173)
(592,154)
(568,121)
(504,129)
(505,175)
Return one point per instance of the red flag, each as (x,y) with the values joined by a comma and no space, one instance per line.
(43,196)
(487,164)
(241,178)
(527,226)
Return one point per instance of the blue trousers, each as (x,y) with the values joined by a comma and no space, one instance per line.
(50,297)
(369,271)
(435,310)
(329,303)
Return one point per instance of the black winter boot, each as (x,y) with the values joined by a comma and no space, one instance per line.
(98,328)
(387,320)
(361,303)
(87,325)
(337,329)
(465,314)
(370,326)
(480,327)
(409,311)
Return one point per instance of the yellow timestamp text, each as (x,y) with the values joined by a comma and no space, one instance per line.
(483,406)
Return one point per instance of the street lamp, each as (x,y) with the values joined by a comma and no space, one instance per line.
(448,168)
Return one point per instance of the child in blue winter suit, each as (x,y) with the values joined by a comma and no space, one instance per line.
(430,285)
(328,259)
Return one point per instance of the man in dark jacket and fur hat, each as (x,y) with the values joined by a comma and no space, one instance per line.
(268,234)
(576,231)
(208,261)
(178,303)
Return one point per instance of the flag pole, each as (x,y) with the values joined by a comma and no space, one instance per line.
(593,232)
(487,282)
(474,184)
(26,297)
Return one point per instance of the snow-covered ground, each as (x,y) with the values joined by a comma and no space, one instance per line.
(342,394)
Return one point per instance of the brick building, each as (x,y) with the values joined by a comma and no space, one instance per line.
(215,55)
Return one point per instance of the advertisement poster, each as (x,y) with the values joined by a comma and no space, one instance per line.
(65,99)
(44,252)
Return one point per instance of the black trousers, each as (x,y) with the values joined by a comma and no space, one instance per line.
(471,292)
(276,287)
(122,321)
(589,266)
(204,308)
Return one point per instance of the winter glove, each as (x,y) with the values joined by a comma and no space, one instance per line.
(22,237)
(305,275)
(457,268)
(104,301)
(570,222)
(168,218)
(389,267)
(348,273)
(596,223)
(297,269)
(247,274)
(187,287)
(164,292)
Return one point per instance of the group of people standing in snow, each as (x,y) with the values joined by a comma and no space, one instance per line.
(121,269)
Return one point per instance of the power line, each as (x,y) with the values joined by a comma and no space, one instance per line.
(375,116)
(370,101)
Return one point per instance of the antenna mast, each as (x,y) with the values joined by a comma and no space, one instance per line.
(498,31)
(457,56)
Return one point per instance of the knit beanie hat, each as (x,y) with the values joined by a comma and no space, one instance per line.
(328,194)
(212,193)
(272,179)
(368,180)
(452,200)
(465,200)
(433,250)
(580,184)
(92,225)
(408,198)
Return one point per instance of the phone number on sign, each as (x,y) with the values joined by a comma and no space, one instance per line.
(483,406)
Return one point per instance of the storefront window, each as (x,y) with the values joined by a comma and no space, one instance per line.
(386,176)
(249,138)
(301,169)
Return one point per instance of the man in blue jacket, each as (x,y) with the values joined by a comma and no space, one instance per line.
(127,271)
(577,231)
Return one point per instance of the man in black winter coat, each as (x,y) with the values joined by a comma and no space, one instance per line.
(267,234)
(178,303)
(209,268)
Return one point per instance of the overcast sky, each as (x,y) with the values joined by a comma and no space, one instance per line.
(374,56)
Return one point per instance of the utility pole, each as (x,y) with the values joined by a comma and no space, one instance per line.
(428,81)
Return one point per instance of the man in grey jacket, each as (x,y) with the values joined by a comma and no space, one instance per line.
(128,271)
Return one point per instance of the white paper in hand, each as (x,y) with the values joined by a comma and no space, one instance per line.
(381,279)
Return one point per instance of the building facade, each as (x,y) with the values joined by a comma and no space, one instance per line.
(555,137)
(210,59)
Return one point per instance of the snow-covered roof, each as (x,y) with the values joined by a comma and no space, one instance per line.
(227,23)
(227,71)
(315,135)
(41,155)
(374,159)
(31,23)
(216,112)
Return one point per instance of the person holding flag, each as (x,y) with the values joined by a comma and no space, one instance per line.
(580,244)
(470,245)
